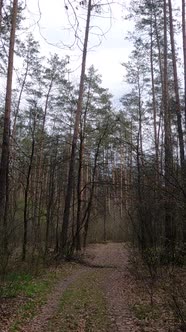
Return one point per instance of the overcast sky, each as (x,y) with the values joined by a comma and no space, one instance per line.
(49,21)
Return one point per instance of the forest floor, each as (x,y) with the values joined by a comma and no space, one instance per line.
(99,294)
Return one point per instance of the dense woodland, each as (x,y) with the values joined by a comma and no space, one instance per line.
(76,170)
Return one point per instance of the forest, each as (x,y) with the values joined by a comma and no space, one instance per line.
(87,187)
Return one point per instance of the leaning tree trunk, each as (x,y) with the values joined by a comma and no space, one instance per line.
(4,164)
(64,233)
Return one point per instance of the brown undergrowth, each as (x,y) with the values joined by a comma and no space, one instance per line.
(160,295)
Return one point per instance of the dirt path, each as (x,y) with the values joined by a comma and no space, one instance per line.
(40,322)
(116,283)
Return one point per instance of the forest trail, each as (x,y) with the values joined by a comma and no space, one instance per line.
(40,322)
(110,263)
(117,284)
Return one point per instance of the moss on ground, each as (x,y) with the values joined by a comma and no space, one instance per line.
(32,292)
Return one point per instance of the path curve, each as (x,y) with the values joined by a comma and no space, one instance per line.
(117,284)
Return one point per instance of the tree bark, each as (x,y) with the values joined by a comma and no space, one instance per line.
(66,216)
(168,145)
(79,192)
(40,156)
(156,143)
(176,88)
(25,220)
(1,14)
(19,101)
(80,185)
(4,164)
(86,218)
(184,51)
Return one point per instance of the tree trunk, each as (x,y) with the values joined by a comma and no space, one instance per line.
(86,218)
(49,215)
(184,51)
(168,145)
(156,143)
(79,192)
(105,216)
(121,178)
(39,170)
(176,88)
(1,14)
(80,189)
(4,164)
(184,62)
(25,221)
(66,216)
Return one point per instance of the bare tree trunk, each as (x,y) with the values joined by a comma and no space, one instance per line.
(4,165)
(52,200)
(25,220)
(184,50)
(80,189)
(168,145)
(156,143)
(19,100)
(121,179)
(39,180)
(57,222)
(13,134)
(104,196)
(64,233)
(176,88)
(139,183)
(1,14)
(105,217)
(50,203)
(140,136)
(86,218)
(184,62)
(79,193)
(159,47)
